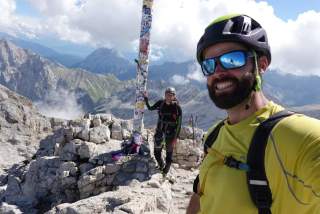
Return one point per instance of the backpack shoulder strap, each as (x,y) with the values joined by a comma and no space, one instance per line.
(258,184)
(212,136)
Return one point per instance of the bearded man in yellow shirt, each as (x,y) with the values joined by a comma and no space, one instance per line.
(234,53)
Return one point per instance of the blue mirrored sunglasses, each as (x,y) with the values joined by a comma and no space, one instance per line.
(230,60)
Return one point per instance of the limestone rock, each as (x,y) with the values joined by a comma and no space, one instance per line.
(70,151)
(188,153)
(84,134)
(106,119)
(96,121)
(137,200)
(9,209)
(127,125)
(186,132)
(99,134)
(83,122)
(21,128)
(58,123)
(116,131)
(86,150)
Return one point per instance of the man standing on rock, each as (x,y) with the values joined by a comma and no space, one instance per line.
(168,126)
(261,158)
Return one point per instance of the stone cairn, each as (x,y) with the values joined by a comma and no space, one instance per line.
(76,163)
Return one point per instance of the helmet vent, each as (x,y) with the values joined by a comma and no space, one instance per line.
(262,39)
(246,26)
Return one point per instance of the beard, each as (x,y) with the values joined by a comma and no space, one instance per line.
(240,92)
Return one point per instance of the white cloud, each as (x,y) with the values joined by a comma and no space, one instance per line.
(6,8)
(195,73)
(296,52)
(177,26)
(109,23)
(54,8)
(60,26)
(60,104)
(179,80)
(14,24)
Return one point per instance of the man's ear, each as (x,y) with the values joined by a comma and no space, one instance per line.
(263,64)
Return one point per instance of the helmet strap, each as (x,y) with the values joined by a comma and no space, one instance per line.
(248,104)
(258,82)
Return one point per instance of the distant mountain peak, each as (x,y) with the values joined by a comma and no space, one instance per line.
(9,46)
(108,61)
(109,53)
(104,51)
(12,54)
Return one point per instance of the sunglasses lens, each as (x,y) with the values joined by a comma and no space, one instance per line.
(233,59)
(208,67)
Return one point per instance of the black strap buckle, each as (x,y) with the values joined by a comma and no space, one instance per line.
(233,163)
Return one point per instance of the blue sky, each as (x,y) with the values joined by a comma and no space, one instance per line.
(290,9)
(23,7)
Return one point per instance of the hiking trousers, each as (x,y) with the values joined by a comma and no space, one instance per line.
(167,134)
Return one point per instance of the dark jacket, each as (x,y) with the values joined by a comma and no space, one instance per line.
(170,115)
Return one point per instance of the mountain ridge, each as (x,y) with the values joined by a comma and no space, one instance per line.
(65,59)
(36,77)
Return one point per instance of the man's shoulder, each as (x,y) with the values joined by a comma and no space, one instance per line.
(300,120)
(298,126)
(296,119)
(161,101)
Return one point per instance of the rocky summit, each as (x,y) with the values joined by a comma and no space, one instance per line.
(85,166)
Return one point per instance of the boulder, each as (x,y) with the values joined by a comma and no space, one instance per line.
(186,132)
(106,119)
(87,150)
(70,151)
(116,130)
(96,121)
(100,134)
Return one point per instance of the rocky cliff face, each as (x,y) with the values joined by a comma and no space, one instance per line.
(25,72)
(21,128)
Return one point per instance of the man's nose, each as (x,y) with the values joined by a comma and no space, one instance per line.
(219,68)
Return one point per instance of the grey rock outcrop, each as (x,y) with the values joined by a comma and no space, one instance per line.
(21,128)
(9,209)
(99,134)
(142,198)
(188,151)
(67,168)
